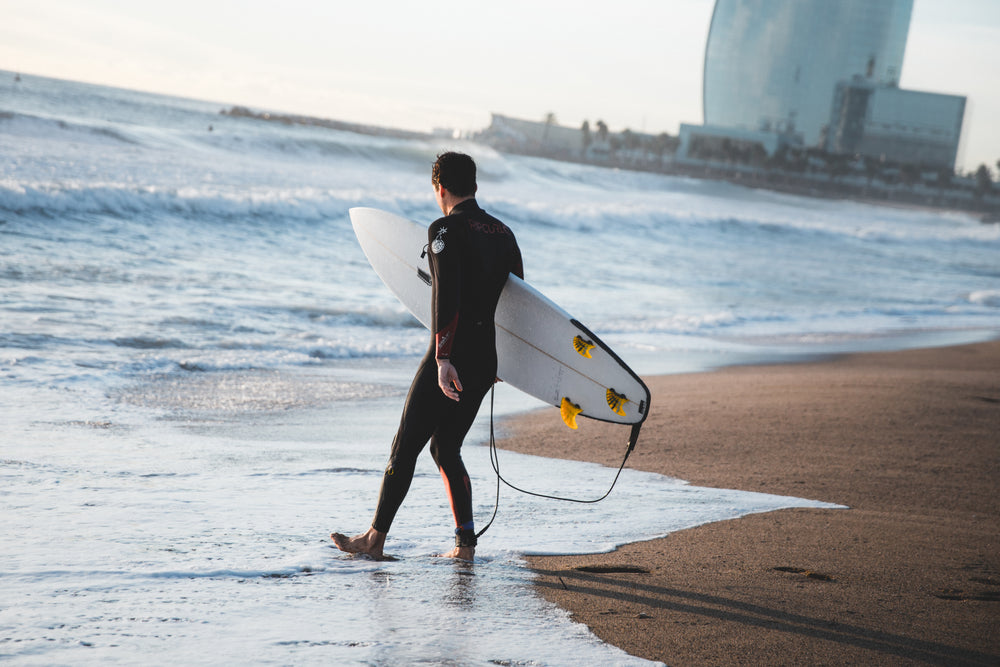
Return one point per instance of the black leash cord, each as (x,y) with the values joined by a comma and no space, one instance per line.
(495,460)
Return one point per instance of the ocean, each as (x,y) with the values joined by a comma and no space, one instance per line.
(200,375)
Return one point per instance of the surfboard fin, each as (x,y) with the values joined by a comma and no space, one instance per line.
(616,402)
(583,346)
(569,411)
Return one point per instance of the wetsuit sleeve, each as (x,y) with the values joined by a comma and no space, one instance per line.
(446,277)
(518,263)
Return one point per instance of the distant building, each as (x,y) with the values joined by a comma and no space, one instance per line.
(714,143)
(895,125)
(549,139)
(774,70)
(538,138)
(772,65)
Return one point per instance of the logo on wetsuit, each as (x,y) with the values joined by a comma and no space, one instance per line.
(489,227)
(437,245)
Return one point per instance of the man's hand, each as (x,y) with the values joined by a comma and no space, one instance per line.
(448,379)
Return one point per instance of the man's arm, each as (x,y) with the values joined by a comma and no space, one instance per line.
(518,269)
(446,268)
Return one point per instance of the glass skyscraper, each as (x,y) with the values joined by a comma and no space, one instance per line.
(774,65)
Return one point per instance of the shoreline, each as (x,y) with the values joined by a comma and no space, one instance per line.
(909,441)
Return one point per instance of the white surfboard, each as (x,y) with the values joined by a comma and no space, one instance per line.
(541,349)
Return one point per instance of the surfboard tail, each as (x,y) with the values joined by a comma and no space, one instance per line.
(634,436)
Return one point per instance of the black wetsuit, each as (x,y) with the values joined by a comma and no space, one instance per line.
(471,253)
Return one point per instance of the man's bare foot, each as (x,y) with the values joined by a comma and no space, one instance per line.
(370,543)
(461,553)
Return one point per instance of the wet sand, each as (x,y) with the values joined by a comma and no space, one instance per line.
(909,574)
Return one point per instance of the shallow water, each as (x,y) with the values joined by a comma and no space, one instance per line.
(202,540)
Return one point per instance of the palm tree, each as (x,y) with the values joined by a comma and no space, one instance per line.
(983,181)
(630,139)
(602,130)
(550,120)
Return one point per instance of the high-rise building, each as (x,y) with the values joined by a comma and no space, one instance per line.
(773,65)
(816,73)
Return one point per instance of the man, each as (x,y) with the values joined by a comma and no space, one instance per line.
(471,253)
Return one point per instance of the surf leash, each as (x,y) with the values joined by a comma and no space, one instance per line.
(495,461)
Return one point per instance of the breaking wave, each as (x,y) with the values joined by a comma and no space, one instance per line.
(60,200)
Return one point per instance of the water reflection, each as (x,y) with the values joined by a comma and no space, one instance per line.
(461,591)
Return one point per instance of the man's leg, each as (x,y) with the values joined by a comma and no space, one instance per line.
(446,448)
(420,414)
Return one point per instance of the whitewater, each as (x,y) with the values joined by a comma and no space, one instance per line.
(200,375)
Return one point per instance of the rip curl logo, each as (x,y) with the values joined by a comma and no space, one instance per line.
(489,227)
(437,245)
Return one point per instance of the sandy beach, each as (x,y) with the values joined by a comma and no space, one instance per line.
(908,574)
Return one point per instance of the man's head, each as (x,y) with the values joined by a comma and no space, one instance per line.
(456,173)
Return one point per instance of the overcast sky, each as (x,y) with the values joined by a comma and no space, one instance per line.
(447,63)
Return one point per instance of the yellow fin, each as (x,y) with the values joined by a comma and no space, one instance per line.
(616,401)
(569,412)
(583,346)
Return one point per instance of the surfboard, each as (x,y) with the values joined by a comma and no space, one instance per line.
(541,349)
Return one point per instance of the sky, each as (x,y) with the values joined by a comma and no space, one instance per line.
(634,64)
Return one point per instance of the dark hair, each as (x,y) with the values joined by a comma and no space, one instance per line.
(456,172)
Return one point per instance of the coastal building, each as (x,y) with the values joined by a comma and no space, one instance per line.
(586,143)
(772,65)
(537,138)
(716,143)
(895,125)
(818,74)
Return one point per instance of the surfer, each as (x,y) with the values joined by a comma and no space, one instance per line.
(471,253)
